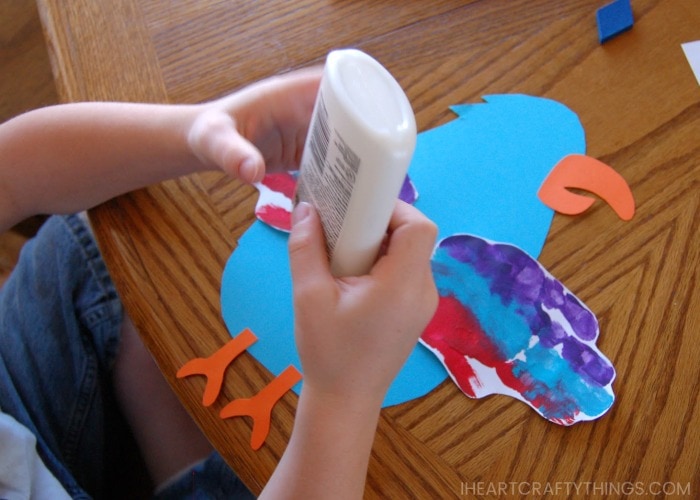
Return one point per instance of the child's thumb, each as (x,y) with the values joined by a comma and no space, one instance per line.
(241,159)
(216,142)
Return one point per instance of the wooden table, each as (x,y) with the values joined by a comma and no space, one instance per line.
(640,105)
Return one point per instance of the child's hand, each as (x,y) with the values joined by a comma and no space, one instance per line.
(259,128)
(354,334)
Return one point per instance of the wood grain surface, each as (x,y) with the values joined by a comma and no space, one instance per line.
(640,106)
(26,83)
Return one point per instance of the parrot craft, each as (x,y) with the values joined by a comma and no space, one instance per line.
(504,324)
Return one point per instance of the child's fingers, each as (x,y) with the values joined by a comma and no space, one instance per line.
(406,268)
(215,140)
(308,257)
(411,236)
(302,84)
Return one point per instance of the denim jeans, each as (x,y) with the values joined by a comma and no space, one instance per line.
(60,319)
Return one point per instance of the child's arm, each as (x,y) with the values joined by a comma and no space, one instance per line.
(71,157)
(353,335)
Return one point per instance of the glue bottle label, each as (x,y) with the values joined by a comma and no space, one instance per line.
(329,174)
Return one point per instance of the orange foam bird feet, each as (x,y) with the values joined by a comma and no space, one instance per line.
(583,172)
(260,406)
(215,365)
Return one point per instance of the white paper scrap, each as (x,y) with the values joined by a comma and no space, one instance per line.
(692,53)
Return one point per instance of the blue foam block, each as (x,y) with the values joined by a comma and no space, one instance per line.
(614,19)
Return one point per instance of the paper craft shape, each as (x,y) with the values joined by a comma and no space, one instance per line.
(408,192)
(276,198)
(613,19)
(477,174)
(506,326)
(259,407)
(583,172)
(214,367)
(692,54)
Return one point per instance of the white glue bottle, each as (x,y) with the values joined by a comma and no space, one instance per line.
(360,142)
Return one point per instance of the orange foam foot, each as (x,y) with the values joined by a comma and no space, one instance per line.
(215,365)
(260,406)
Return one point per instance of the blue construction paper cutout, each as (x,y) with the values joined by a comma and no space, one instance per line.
(613,19)
(480,173)
(477,174)
(256,293)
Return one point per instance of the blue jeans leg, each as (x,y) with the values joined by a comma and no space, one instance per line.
(60,318)
(60,321)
